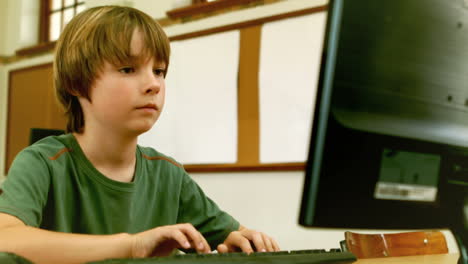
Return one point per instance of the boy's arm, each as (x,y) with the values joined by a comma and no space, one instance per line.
(244,239)
(42,246)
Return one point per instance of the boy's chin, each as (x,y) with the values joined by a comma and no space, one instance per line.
(142,130)
(138,130)
(143,127)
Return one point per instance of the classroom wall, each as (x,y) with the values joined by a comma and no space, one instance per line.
(3,117)
(19,20)
(156,9)
(9,12)
(3,28)
(268,201)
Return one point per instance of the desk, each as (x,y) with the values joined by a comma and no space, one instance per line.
(425,259)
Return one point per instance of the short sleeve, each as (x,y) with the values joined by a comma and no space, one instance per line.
(24,192)
(204,214)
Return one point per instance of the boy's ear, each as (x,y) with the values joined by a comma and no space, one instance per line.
(80,98)
(74,93)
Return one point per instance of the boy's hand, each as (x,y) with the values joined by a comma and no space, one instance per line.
(161,241)
(243,240)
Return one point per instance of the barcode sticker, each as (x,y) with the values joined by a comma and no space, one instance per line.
(406,192)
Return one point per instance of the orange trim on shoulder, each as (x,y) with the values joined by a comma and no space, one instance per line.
(162,158)
(56,156)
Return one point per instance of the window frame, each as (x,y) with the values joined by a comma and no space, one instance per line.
(46,15)
(199,7)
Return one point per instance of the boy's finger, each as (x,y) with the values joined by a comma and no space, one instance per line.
(199,242)
(275,245)
(244,245)
(268,243)
(178,236)
(226,248)
(222,248)
(257,240)
(203,245)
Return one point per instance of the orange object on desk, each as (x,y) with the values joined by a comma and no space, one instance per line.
(396,244)
(451,258)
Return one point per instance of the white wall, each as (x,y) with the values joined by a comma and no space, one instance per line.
(268,201)
(156,9)
(11,12)
(19,25)
(3,23)
(29,21)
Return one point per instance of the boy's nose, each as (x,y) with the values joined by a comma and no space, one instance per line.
(153,85)
(152,89)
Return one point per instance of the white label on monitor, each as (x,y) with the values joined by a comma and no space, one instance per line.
(406,192)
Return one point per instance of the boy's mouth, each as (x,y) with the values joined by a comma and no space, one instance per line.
(148,107)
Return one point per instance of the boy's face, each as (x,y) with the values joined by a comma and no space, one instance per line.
(126,99)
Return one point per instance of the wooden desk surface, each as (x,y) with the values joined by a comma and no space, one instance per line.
(425,259)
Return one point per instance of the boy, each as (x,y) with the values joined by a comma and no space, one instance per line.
(93,193)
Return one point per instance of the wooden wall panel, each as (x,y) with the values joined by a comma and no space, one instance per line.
(248,108)
(31,103)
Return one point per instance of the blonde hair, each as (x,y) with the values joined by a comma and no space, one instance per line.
(96,35)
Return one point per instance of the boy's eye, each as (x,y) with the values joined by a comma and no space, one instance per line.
(127,70)
(159,72)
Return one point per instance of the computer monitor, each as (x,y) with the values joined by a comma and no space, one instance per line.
(389,142)
(37,134)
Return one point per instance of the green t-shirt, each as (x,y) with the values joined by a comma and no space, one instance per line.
(52,185)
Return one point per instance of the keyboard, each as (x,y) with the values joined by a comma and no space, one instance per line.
(333,256)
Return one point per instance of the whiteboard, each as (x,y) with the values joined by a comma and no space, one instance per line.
(199,121)
(289,67)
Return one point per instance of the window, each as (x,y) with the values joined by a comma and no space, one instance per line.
(55,14)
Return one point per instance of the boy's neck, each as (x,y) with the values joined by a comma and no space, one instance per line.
(112,155)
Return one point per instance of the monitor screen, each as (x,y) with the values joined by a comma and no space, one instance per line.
(389,142)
